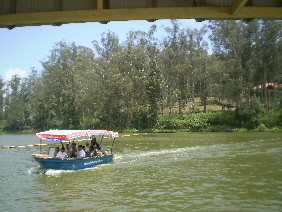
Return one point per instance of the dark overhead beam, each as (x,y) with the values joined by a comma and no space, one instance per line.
(104,15)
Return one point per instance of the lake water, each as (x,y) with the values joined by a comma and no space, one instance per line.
(151,172)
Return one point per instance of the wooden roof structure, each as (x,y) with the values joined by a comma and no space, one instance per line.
(15,13)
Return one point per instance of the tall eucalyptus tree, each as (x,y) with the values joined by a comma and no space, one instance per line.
(269,54)
(14,107)
(184,54)
(137,53)
(173,57)
(2,91)
(63,79)
(124,68)
(250,60)
(228,41)
(153,90)
(201,64)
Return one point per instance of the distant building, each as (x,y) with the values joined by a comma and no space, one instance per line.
(269,85)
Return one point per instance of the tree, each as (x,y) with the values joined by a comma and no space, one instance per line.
(173,63)
(228,41)
(202,65)
(153,90)
(249,116)
(128,84)
(2,91)
(268,44)
(14,106)
(63,79)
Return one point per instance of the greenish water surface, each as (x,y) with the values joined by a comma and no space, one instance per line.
(151,172)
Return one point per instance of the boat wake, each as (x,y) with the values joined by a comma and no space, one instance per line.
(57,172)
(144,155)
(36,170)
(125,158)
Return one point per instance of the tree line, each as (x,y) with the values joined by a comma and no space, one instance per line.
(137,83)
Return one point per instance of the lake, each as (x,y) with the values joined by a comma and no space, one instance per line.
(151,172)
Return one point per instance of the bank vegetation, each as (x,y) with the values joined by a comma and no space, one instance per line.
(145,83)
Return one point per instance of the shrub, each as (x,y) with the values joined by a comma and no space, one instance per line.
(195,123)
(223,118)
(262,128)
(188,123)
(273,117)
(249,116)
(3,125)
(164,131)
(168,123)
(239,130)
(130,130)
(141,119)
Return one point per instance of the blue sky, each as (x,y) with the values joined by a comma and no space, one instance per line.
(24,47)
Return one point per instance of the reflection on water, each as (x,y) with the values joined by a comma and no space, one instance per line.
(154,172)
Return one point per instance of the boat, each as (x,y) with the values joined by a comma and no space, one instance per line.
(8,147)
(48,162)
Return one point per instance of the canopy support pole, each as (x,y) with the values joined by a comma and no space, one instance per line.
(101,141)
(40,146)
(113,145)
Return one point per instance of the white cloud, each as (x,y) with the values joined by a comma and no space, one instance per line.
(12,71)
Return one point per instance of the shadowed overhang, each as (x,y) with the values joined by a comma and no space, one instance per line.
(14,13)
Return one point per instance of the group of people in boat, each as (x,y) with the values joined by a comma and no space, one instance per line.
(94,150)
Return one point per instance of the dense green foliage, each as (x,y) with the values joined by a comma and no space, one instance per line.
(137,84)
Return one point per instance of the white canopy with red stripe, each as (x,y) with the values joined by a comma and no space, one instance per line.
(60,135)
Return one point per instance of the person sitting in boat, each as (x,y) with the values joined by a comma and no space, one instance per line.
(105,152)
(91,152)
(96,150)
(57,150)
(73,151)
(62,154)
(95,143)
(81,152)
(93,140)
(83,147)
(99,153)
(87,147)
(68,150)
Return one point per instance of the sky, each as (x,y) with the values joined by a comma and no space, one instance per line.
(22,48)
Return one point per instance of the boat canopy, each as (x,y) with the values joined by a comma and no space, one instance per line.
(60,135)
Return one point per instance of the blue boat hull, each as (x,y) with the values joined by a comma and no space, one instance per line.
(72,163)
